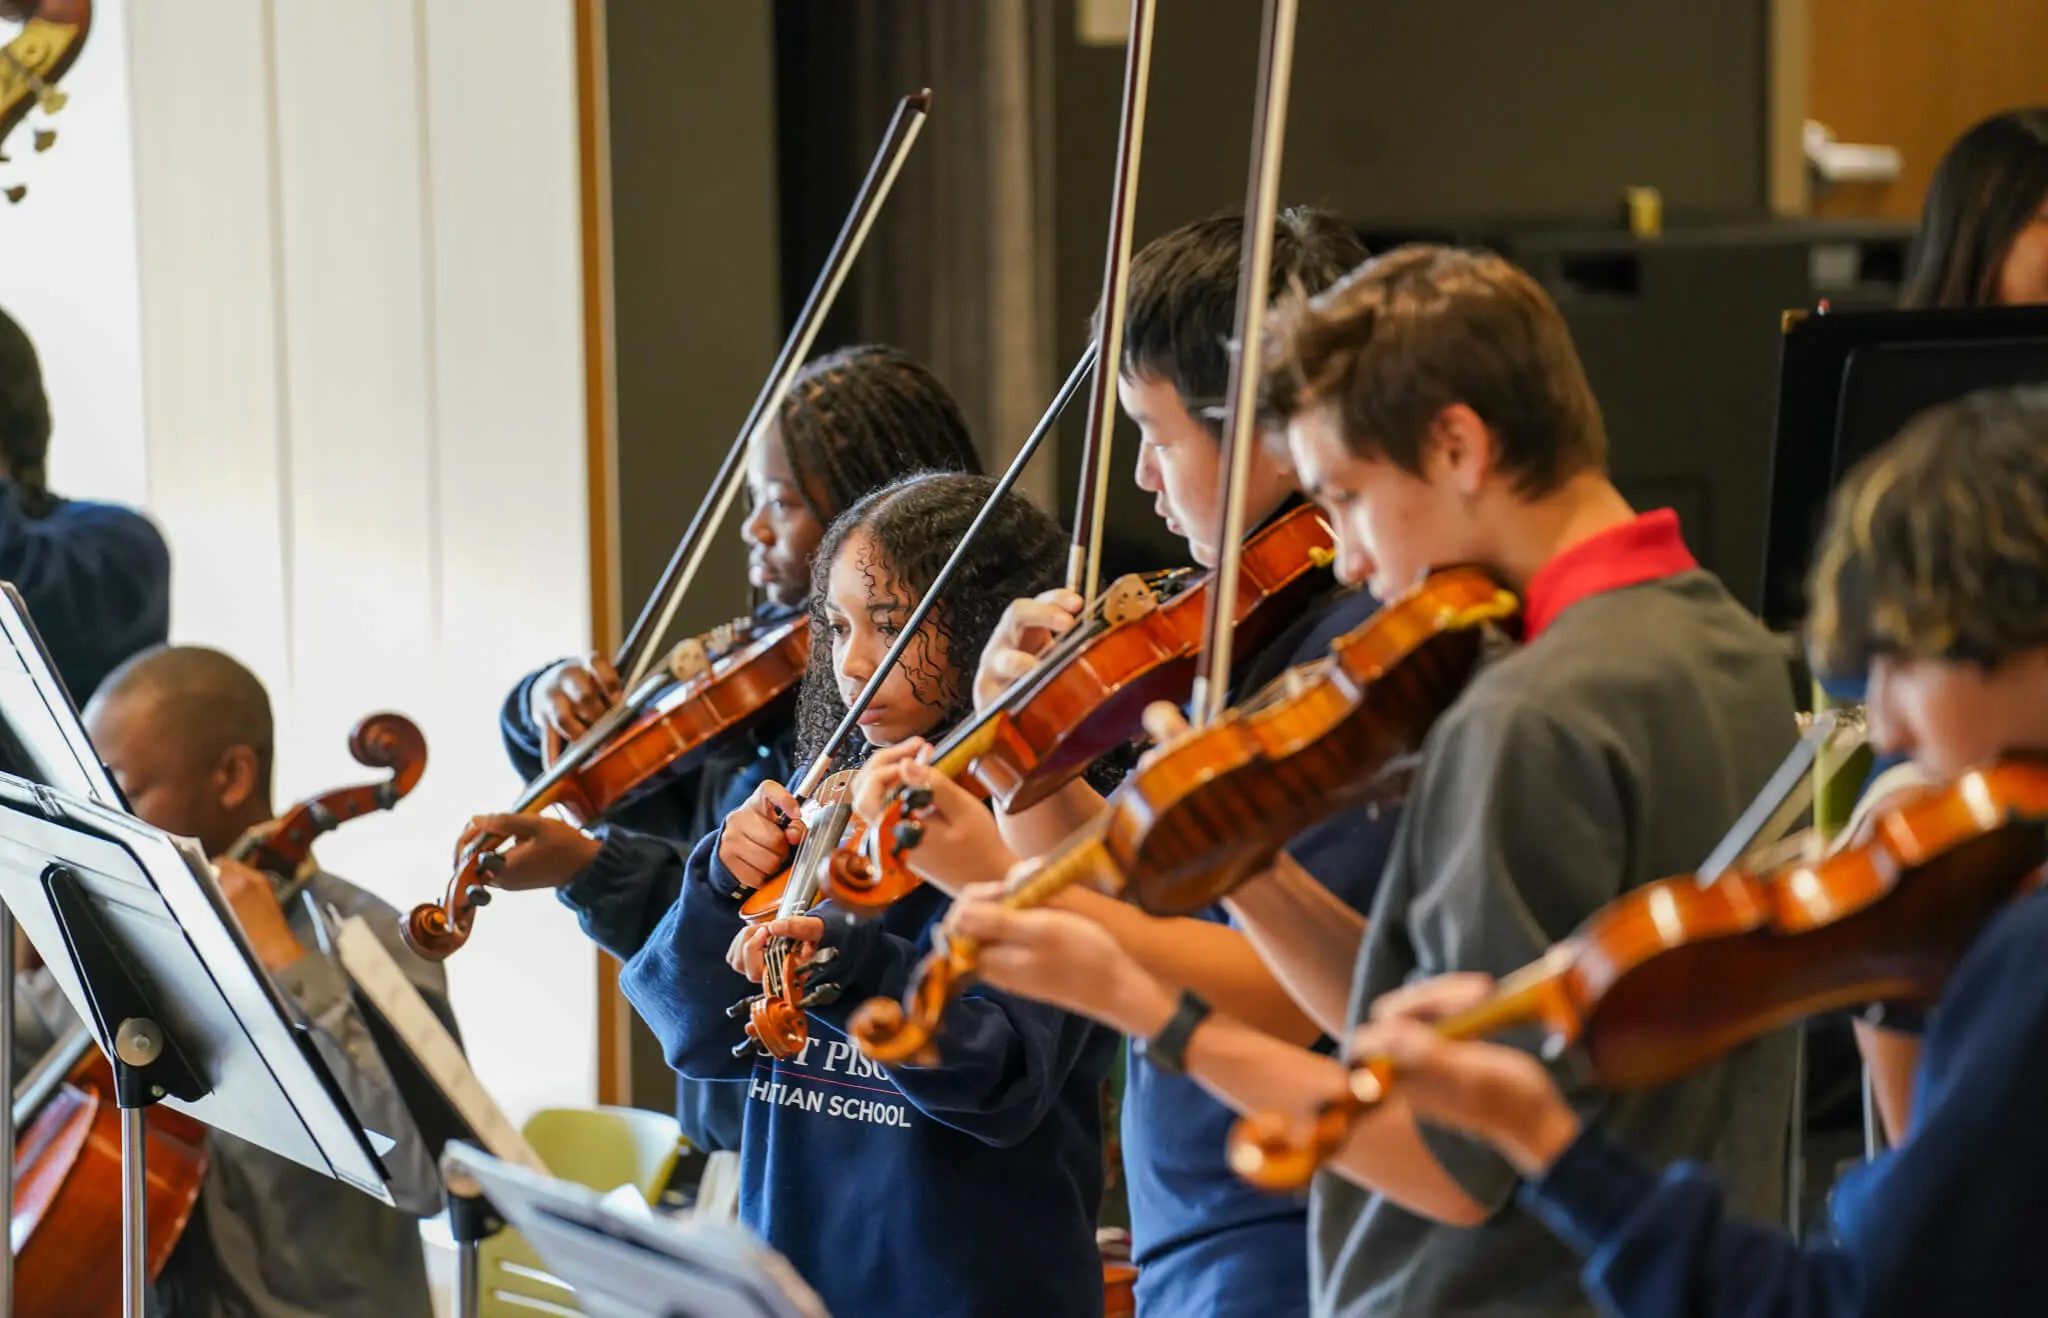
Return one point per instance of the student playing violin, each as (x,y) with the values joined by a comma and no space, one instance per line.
(968,1187)
(1932,578)
(1435,408)
(1203,1240)
(854,420)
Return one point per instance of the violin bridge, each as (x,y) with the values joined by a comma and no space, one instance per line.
(1127,599)
(689,661)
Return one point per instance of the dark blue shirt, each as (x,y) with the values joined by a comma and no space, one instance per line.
(1204,1240)
(624,893)
(1950,1222)
(97,582)
(968,1188)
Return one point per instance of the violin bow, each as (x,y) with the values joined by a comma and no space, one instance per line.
(1262,193)
(806,864)
(636,652)
(1084,560)
(820,764)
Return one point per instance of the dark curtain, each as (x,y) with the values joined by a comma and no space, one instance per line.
(958,271)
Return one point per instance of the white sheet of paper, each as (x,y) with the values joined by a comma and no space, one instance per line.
(385,984)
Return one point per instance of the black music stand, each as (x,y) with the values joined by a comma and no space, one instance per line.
(135,931)
(629,1265)
(1847,381)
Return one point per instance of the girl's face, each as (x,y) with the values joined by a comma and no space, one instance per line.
(865,609)
(2023,279)
(780,532)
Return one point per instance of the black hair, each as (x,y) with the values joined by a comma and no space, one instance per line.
(914,523)
(24,419)
(1181,308)
(1937,544)
(860,417)
(1987,188)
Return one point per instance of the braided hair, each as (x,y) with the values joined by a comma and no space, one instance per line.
(913,524)
(860,417)
(24,420)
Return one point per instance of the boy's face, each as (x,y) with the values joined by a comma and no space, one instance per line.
(1948,716)
(157,772)
(1179,462)
(1392,526)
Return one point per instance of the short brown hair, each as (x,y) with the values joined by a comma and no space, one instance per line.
(1937,544)
(1406,335)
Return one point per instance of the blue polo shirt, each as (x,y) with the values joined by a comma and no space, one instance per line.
(1205,1242)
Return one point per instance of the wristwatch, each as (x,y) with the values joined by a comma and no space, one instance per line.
(1168,1049)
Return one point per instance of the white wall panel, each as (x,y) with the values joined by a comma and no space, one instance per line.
(510,513)
(362,350)
(213,325)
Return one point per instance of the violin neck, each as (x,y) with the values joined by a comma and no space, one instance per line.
(1522,998)
(1073,865)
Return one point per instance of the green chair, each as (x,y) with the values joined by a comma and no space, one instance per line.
(602,1148)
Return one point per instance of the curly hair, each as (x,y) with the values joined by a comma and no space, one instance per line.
(860,417)
(1937,544)
(912,525)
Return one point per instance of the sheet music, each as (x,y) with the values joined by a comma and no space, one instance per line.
(627,1262)
(384,983)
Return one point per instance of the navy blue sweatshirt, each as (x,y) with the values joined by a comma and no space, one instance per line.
(1950,1222)
(622,896)
(968,1188)
(97,582)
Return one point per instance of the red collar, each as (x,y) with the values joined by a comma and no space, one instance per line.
(1644,548)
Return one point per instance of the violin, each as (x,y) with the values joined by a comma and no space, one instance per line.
(31,64)
(1084,700)
(1670,976)
(709,687)
(776,1024)
(1210,811)
(68,1174)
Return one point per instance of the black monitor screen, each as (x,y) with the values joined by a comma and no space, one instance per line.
(1848,382)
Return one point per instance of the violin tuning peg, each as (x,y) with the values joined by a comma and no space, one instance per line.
(743,1047)
(917,799)
(738,1009)
(45,138)
(16,193)
(50,99)
(908,834)
(479,897)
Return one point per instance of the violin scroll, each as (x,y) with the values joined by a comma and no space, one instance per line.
(889,1032)
(437,930)
(1265,1150)
(776,1027)
(866,880)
